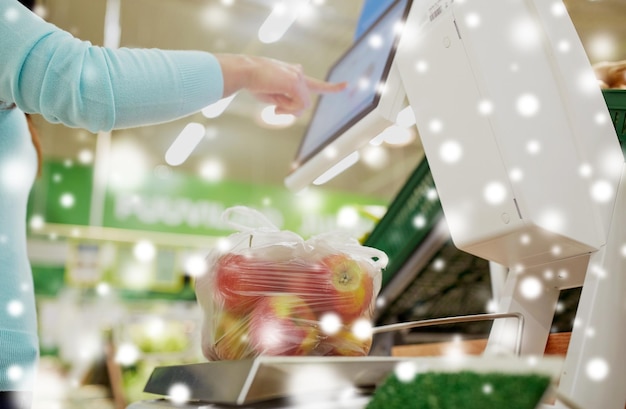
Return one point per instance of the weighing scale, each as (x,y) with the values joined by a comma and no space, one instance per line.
(301,382)
(529,173)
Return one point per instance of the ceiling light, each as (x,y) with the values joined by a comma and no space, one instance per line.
(212,170)
(283,15)
(394,135)
(340,167)
(217,108)
(184,143)
(375,157)
(406,117)
(378,139)
(398,136)
(270,117)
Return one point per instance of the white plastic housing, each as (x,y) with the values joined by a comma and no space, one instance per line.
(514,127)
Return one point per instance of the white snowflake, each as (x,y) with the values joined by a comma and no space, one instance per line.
(421,66)
(533,147)
(485,107)
(432,194)
(419,221)
(381,302)
(597,369)
(195,265)
(15,175)
(37,222)
(528,105)
(438,264)
(362,328)
(67,200)
(602,191)
(525,34)
(564,46)
(531,287)
(450,151)
(144,250)
(85,156)
(405,371)
(127,354)
(558,9)
(487,389)
(103,289)
(548,274)
(516,175)
(15,308)
(472,20)
(15,373)
(435,125)
(11,14)
(179,393)
(330,323)
(495,193)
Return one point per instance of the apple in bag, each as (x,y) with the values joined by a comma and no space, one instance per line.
(343,286)
(241,280)
(283,324)
(230,336)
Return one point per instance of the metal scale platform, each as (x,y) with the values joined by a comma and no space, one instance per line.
(308,382)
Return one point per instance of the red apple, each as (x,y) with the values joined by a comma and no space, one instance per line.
(230,339)
(344,287)
(283,324)
(305,278)
(241,280)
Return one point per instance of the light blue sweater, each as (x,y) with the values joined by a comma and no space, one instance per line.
(45,70)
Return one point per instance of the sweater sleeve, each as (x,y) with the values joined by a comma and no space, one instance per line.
(46,70)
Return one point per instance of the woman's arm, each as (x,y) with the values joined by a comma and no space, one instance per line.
(46,70)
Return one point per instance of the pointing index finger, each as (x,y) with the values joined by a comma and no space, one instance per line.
(320,86)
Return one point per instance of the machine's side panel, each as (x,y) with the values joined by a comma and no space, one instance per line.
(596,136)
(546,105)
(511,157)
(471,179)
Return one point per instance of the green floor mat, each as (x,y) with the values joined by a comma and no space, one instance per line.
(461,390)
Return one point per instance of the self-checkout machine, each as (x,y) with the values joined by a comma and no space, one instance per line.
(527,166)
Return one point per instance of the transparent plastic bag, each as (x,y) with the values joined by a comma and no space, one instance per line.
(273,293)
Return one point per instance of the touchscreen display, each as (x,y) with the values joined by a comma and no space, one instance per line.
(364,67)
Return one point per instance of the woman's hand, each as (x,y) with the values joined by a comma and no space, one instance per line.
(276,82)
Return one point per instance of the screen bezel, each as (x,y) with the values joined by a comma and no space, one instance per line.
(299,161)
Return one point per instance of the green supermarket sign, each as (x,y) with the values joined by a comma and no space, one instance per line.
(186,204)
